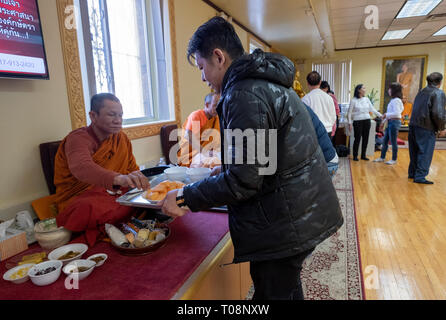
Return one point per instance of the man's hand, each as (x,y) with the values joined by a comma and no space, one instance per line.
(170,207)
(216,171)
(133,180)
(442,133)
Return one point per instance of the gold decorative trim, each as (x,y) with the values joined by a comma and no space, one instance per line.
(73,76)
(173,48)
(72,64)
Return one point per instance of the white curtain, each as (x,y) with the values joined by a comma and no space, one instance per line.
(338,76)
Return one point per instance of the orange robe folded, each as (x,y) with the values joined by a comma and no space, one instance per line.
(207,134)
(84,170)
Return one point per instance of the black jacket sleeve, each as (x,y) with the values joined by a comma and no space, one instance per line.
(245,113)
(437,111)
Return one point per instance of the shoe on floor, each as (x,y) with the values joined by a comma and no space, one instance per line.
(379,160)
(423,181)
(391,162)
(355,159)
(365,158)
(409,177)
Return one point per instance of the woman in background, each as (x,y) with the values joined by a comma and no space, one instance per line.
(359,117)
(393,118)
(326,88)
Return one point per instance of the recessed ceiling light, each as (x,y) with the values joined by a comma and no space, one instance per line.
(417,8)
(396,34)
(441,32)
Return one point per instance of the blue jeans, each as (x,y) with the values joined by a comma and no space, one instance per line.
(391,134)
(421,150)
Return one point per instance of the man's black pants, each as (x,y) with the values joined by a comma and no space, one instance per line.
(421,150)
(278,279)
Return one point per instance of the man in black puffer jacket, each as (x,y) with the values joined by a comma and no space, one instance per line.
(428,118)
(278,211)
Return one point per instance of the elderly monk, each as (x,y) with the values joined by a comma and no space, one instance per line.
(200,139)
(91,165)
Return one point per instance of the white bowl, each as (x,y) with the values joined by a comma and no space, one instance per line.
(197,174)
(76,247)
(100,263)
(10,272)
(176,173)
(48,278)
(49,235)
(79,263)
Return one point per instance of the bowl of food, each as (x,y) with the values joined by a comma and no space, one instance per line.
(49,235)
(98,258)
(68,253)
(176,173)
(45,273)
(18,274)
(197,174)
(80,268)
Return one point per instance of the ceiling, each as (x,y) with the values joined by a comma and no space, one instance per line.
(296,27)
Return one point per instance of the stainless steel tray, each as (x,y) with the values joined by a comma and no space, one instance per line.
(137,199)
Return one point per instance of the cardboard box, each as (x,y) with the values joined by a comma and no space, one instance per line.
(14,243)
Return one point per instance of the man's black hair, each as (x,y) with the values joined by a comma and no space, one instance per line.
(97,101)
(434,78)
(216,33)
(314,78)
(357,88)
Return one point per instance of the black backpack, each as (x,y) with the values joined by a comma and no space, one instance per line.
(342,150)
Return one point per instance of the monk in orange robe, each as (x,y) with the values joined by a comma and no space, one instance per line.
(200,139)
(405,79)
(92,164)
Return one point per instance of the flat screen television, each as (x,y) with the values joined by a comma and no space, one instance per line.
(22,50)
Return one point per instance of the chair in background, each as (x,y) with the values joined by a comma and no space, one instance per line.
(166,144)
(42,206)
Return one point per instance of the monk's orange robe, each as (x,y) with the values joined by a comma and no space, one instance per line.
(205,131)
(83,206)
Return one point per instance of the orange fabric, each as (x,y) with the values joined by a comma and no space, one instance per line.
(114,154)
(407,110)
(208,138)
(405,79)
(44,207)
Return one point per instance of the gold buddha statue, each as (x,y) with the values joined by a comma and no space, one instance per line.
(297,86)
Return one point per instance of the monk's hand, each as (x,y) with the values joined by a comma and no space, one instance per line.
(133,180)
(216,171)
(170,207)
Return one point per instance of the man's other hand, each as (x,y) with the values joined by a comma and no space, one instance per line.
(170,207)
(133,180)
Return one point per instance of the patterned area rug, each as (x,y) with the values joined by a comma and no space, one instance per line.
(333,271)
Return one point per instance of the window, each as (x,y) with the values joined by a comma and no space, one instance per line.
(124,51)
(256,44)
(338,76)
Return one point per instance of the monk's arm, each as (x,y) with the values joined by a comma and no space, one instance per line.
(82,166)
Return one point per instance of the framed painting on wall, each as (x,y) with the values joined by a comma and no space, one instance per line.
(410,72)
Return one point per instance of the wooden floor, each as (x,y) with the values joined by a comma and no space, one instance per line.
(402,229)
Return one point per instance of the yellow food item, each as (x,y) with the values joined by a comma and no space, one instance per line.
(144,234)
(153,235)
(130,237)
(139,242)
(33,258)
(20,273)
(159,192)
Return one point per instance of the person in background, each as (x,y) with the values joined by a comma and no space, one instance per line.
(393,118)
(359,118)
(276,218)
(204,126)
(428,118)
(326,88)
(407,112)
(320,102)
(91,165)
